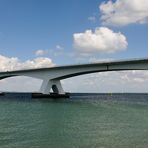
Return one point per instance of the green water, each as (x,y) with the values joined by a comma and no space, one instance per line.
(73,124)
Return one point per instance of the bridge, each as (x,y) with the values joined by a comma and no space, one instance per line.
(51,76)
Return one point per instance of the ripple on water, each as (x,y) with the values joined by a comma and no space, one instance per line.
(73,123)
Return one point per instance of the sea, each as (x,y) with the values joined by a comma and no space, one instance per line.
(81,121)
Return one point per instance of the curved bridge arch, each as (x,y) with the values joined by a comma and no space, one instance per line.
(51,76)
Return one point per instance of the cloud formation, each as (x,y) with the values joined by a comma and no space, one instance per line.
(124,81)
(13,63)
(58,50)
(15,84)
(92,18)
(102,39)
(59,47)
(124,12)
(41,52)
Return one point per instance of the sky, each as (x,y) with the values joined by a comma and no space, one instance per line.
(44,33)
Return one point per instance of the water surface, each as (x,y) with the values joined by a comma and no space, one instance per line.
(103,123)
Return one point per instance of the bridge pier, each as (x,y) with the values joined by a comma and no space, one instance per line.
(55,85)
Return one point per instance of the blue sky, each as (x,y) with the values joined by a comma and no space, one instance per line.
(30,25)
(31,29)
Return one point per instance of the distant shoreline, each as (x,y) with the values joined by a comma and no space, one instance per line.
(103,96)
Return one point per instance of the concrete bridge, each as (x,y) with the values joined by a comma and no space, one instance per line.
(51,76)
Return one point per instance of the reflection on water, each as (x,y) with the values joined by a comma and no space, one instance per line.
(74,123)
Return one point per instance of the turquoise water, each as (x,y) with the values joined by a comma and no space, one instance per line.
(73,124)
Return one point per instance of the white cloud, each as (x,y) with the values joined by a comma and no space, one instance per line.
(92,18)
(13,63)
(102,39)
(15,83)
(124,81)
(59,47)
(41,52)
(124,12)
(20,84)
(58,50)
(95,60)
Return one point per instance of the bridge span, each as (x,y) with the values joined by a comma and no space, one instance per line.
(51,76)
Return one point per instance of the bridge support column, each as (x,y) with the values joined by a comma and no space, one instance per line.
(55,85)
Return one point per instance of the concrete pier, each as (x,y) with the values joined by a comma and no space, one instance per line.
(26,95)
